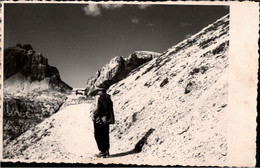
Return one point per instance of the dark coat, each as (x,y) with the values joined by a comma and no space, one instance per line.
(104,113)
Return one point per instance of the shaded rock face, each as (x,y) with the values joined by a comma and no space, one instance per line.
(33,90)
(182,95)
(118,68)
(32,65)
(21,114)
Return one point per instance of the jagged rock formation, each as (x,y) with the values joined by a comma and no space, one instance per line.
(33,66)
(118,68)
(33,90)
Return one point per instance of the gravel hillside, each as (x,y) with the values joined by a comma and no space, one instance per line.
(183,96)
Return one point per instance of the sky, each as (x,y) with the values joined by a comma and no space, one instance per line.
(80,39)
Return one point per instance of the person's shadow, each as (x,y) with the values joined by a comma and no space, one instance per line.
(124,153)
(138,146)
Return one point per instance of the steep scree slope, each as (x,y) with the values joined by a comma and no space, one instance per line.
(183,95)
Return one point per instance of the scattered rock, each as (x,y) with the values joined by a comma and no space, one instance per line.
(134,117)
(189,87)
(164,82)
(220,48)
(202,70)
(115,92)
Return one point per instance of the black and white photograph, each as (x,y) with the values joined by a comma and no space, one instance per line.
(130,83)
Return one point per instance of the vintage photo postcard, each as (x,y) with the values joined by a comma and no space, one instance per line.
(160,83)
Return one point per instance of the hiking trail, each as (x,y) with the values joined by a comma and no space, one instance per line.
(67,136)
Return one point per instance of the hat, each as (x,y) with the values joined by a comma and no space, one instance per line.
(96,90)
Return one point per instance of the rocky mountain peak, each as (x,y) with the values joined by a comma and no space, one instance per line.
(33,90)
(33,65)
(118,68)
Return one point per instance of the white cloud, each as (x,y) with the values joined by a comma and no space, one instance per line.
(183,24)
(188,36)
(143,6)
(135,20)
(111,6)
(93,9)
(150,25)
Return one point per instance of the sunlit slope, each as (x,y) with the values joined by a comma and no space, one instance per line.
(182,94)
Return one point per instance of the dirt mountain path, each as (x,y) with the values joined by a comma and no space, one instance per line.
(67,136)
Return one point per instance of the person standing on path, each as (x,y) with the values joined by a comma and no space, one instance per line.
(102,115)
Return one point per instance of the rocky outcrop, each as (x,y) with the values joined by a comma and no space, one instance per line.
(21,113)
(32,65)
(33,90)
(119,68)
